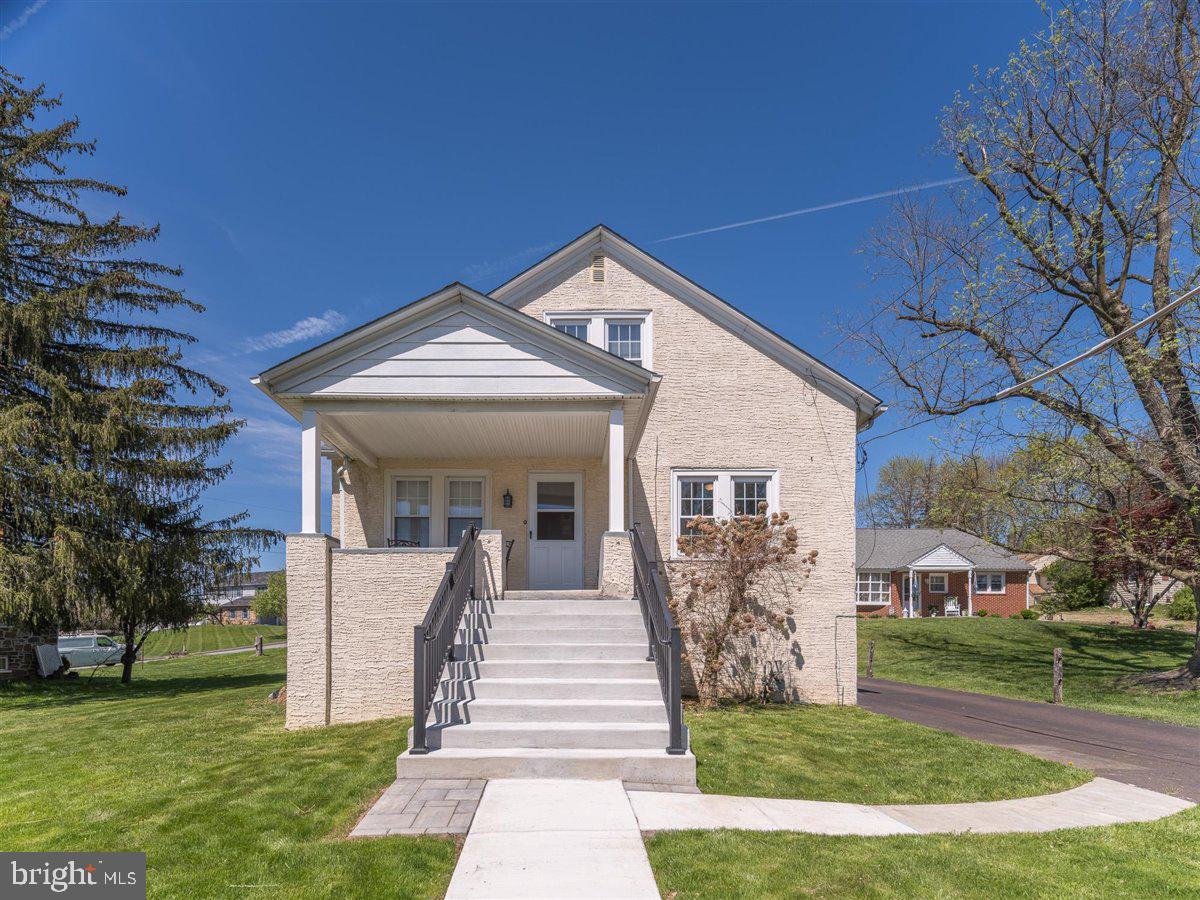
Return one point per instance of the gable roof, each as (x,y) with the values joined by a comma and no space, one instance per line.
(867,406)
(897,548)
(308,373)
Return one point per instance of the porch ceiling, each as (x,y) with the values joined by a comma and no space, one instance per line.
(461,431)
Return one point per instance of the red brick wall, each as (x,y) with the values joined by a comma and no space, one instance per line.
(1005,604)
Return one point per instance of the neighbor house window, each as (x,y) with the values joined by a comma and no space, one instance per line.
(719,495)
(464,507)
(874,588)
(989,582)
(576,328)
(937,582)
(625,340)
(411,519)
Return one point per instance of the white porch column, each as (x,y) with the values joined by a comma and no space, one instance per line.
(310,473)
(970,591)
(616,470)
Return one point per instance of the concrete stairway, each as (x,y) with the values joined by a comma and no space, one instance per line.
(550,684)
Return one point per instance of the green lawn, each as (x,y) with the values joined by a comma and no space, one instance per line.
(198,638)
(191,764)
(1012,658)
(1155,860)
(851,755)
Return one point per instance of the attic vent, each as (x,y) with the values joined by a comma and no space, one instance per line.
(598,268)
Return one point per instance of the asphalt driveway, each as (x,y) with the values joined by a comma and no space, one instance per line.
(1149,754)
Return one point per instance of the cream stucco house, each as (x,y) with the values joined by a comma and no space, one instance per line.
(511,473)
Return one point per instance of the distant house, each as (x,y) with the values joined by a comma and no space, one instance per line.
(1122,591)
(234,597)
(937,571)
(18,651)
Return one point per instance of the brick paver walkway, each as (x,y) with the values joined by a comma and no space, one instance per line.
(423,806)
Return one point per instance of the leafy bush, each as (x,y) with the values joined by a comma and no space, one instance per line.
(1076,585)
(981,612)
(1182,606)
(1028,614)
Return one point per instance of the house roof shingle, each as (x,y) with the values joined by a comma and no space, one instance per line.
(895,548)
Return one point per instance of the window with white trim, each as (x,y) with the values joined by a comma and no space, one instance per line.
(719,494)
(410,521)
(625,340)
(989,582)
(749,495)
(628,334)
(464,507)
(576,328)
(937,582)
(874,588)
(695,502)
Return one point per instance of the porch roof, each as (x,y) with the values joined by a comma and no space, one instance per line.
(457,374)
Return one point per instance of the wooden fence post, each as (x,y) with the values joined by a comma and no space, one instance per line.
(1058,675)
(258,645)
(870,659)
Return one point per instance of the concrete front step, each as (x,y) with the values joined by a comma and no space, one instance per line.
(533,634)
(506,620)
(566,735)
(551,668)
(503,710)
(628,652)
(654,766)
(558,607)
(551,689)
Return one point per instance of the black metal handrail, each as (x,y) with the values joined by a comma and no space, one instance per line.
(663,635)
(433,639)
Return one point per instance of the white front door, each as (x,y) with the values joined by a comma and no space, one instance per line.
(555,531)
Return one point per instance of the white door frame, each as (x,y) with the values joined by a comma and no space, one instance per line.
(534,478)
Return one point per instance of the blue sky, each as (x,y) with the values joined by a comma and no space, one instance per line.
(315,165)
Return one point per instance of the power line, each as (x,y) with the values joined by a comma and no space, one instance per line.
(1008,306)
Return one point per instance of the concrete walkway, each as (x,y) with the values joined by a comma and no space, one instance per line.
(1152,755)
(554,838)
(1099,802)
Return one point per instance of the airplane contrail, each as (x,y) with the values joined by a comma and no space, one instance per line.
(895,192)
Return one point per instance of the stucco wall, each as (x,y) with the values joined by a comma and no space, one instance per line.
(378,596)
(351,614)
(724,405)
(308,600)
(366,504)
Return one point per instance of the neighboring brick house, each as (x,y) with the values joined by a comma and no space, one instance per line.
(912,572)
(234,599)
(596,391)
(18,657)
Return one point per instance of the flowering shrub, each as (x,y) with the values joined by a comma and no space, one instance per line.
(737,587)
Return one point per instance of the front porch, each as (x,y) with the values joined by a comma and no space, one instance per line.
(551,477)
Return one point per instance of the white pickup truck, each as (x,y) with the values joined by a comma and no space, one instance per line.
(90,650)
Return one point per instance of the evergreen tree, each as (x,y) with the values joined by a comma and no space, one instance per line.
(107,437)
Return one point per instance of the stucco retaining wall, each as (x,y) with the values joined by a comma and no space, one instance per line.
(351,614)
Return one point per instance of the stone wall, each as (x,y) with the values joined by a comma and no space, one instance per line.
(18,655)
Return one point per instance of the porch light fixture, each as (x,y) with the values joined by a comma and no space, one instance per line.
(507,499)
